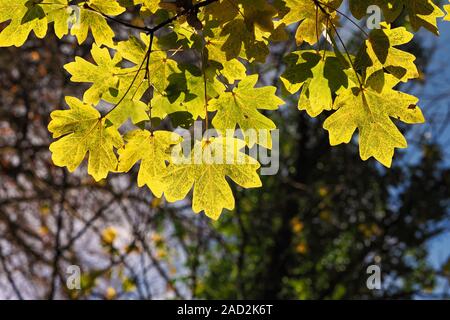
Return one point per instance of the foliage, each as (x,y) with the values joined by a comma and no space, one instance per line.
(310,232)
(196,62)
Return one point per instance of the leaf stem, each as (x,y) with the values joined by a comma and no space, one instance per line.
(148,74)
(358,77)
(344,15)
(205,86)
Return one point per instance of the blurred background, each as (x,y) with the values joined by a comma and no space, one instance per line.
(310,233)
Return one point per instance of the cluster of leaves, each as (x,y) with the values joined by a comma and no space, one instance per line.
(187,60)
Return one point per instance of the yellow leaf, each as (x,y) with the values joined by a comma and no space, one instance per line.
(102,75)
(318,74)
(94,21)
(240,108)
(370,111)
(81,129)
(380,53)
(313,21)
(210,162)
(152,149)
(421,13)
(149,5)
(23,19)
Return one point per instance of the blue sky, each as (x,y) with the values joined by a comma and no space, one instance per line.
(435,102)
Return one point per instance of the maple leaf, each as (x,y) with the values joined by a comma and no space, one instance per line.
(24,18)
(313,20)
(148,5)
(223,11)
(240,108)
(369,110)
(391,9)
(161,68)
(60,14)
(245,27)
(255,13)
(231,69)
(112,84)
(162,106)
(134,48)
(318,74)
(447,10)
(258,17)
(152,149)
(129,108)
(126,100)
(147,86)
(379,54)
(240,42)
(421,13)
(81,129)
(91,19)
(259,14)
(210,162)
(123,87)
(103,75)
(195,101)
